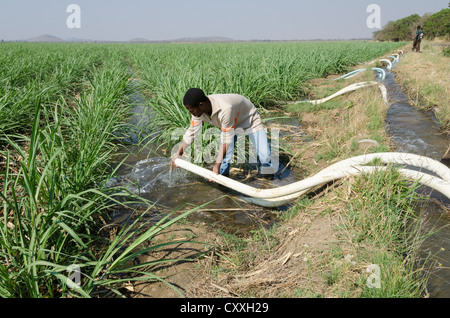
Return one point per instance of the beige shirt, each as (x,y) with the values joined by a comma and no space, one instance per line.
(229,112)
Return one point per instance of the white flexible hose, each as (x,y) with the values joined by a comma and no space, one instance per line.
(353,166)
(369,141)
(423,178)
(393,57)
(350,88)
(371,62)
(356,72)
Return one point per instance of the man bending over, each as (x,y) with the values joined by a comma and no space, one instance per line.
(227,112)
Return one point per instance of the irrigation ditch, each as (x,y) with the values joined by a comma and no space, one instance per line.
(146,172)
(419,132)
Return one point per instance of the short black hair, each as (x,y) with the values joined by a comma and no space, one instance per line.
(193,97)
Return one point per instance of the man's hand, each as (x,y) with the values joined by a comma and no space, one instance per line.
(178,155)
(172,164)
(222,152)
(216,168)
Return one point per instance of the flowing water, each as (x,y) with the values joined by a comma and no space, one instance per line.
(418,132)
(152,179)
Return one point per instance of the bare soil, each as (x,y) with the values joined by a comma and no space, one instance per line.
(277,272)
(182,274)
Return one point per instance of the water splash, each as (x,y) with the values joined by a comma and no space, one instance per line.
(153,174)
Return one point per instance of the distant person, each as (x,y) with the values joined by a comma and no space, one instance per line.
(418,39)
(227,112)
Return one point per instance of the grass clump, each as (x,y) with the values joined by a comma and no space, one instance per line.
(425,78)
(382,229)
(446,52)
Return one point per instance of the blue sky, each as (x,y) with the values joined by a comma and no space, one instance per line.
(172,19)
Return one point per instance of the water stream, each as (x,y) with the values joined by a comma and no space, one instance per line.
(418,132)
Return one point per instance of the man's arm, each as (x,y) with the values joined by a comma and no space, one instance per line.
(222,152)
(179,153)
(228,122)
(188,138)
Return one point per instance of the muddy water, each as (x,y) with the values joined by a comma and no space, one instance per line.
(151,179)
(414,131)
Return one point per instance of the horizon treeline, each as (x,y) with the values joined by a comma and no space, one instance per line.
(434,25)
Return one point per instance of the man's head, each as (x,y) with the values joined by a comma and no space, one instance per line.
(196,102)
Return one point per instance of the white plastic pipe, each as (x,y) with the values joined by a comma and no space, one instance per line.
(333,172)
(395,59)
(369,141)
(371,62)
(425,179)
(350,88)
(381,71)
(356,72)
(353,166)
(351,74)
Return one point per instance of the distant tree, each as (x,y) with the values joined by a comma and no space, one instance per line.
(400,30)
(438,24)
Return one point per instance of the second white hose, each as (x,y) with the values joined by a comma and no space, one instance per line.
(348,89)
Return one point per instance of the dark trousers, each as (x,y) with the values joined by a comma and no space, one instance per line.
(416,45)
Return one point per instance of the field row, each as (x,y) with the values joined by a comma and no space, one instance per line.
(263,72)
